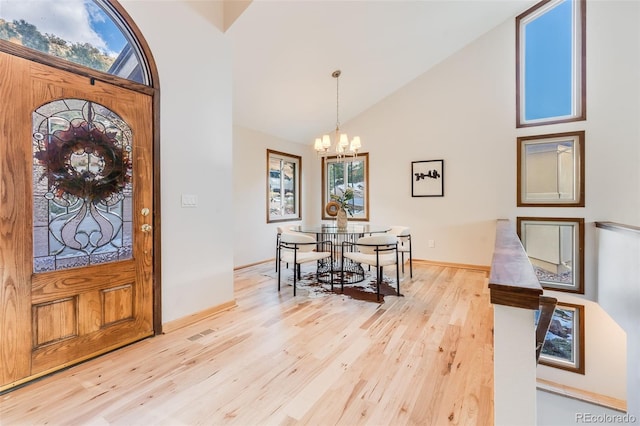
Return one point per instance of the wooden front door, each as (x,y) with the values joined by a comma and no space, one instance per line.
(75,214)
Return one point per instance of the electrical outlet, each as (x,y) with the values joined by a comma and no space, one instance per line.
(432,243)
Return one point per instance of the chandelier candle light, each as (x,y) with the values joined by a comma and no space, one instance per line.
(342,146)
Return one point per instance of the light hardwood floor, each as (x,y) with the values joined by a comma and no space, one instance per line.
(422,359)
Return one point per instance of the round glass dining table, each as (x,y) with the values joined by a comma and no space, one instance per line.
(351,229)
(328,273)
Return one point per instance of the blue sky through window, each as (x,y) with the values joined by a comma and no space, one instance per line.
(76,21)
(548,64)
(102,24)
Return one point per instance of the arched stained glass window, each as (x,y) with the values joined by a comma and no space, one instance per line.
(550,72)
(86,32)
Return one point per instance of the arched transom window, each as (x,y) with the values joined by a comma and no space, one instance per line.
(86,32)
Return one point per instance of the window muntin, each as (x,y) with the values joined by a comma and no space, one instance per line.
(87,32)
(283,186)
(550,72)
(340,174)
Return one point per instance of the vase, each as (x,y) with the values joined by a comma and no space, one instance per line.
(341,219)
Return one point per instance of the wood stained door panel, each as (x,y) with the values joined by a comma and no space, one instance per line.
(53,319)
(15,245)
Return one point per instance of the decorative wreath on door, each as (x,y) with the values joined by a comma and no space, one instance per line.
(106,178)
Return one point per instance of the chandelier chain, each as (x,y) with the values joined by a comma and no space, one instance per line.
(337,101)
(341,146)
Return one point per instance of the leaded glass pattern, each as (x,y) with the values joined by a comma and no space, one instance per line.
(82,190)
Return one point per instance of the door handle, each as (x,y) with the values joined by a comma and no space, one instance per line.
(145,227)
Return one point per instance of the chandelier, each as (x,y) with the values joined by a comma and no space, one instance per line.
(341,145)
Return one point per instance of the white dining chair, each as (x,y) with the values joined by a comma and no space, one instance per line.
(297,248)
(378,250)
(281,230)
(404,245)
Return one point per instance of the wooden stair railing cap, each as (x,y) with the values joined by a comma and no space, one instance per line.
(512,281)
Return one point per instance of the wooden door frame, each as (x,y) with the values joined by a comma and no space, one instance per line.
(152,90)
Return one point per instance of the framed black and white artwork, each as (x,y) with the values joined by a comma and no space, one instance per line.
(427,178)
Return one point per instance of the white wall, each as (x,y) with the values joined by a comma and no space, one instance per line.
(254,236)
(194,64)
(605,353)
(514,367)
(619,292)
(554,410)
(461,111)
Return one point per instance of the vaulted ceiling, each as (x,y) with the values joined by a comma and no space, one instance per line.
(285,51)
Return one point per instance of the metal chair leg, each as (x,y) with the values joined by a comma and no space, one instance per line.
(279,271)
(410,259)
(378,281)
(294,281)
(397,281)
(342,273)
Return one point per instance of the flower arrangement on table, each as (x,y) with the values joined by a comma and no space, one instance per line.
(343,200)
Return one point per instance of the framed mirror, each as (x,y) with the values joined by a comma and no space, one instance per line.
(551,170)
(283,186)
(555,247)
(343,174)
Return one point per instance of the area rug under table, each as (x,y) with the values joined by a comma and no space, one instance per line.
(309,286)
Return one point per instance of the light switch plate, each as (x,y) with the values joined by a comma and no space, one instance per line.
(189,200)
